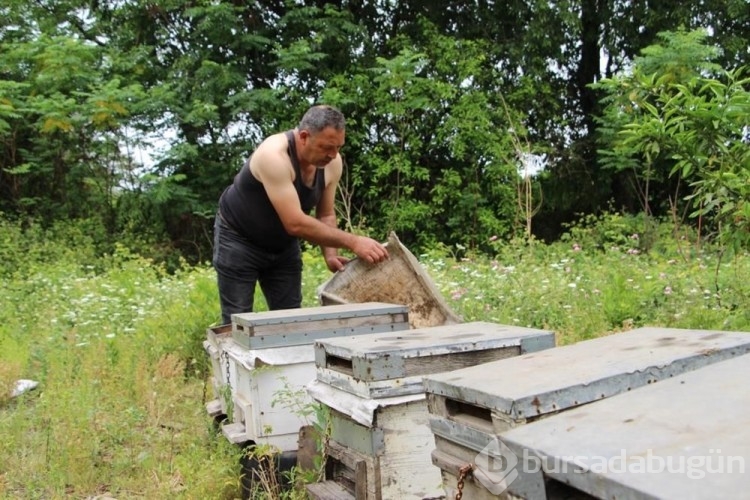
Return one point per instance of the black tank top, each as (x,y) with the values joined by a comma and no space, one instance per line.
(245,207)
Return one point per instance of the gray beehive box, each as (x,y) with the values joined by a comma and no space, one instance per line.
(303,326)
(686,437)
(380,441)
(393,364)
(471,407)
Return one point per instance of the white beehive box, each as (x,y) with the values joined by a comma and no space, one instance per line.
(262,361)
(380,442)
(473,407)
(267,394)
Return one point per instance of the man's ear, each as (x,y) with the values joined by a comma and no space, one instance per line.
(304,135)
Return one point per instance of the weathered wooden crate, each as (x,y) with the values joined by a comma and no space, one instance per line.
(472,407)
(373,386)
(399,280)
(379,449)
(393,364)
(686,437)
(302,326)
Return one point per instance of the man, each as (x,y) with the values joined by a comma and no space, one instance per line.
(265,211)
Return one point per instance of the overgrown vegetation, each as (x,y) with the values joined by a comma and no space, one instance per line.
(116,341)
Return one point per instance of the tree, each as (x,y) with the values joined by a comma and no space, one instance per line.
(427,151)
(679,120)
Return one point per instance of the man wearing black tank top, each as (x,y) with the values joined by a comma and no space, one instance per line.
(266,211)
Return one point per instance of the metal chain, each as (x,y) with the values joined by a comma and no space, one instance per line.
(225,357)
(205,390)
(463,473)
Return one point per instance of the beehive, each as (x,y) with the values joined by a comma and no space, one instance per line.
(471,408)
(380,443)
(262,361)
(686,437)
(303,326)
(393,364)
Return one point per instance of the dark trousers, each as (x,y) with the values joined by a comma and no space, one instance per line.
(240,265)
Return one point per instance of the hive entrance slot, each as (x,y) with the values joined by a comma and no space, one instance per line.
(472,415)
(339,364)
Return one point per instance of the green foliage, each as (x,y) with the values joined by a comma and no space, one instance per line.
(87,90)
(616,231)
(711,151)
(680,122)
(426,152)
(60,123)
(115,344)
(598,279)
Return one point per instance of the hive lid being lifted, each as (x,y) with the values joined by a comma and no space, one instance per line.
(399,280)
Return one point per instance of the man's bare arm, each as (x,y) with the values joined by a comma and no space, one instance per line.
(325,212)
(274,170)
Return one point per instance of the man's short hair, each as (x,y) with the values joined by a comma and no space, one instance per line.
(322,116)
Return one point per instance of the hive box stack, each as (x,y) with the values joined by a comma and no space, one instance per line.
(380,441)
(262,362)
(475,409)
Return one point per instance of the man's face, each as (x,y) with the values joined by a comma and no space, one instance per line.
(322,148)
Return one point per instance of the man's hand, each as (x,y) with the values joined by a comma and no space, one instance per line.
(369,250)
(336,262)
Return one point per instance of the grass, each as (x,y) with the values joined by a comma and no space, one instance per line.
(116,345)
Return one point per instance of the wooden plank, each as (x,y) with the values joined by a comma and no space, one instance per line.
(213,408)
(328,490)
(334,323)
(307,451)
(360,480)
(343,464)
(526,387)
(357,326)
(365,440)
(235,433)
(406,468)
(440,363)
(685,437)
